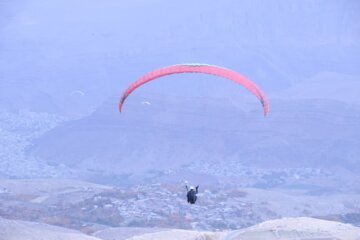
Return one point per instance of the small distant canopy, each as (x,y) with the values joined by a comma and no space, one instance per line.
(77,93)
(145,103)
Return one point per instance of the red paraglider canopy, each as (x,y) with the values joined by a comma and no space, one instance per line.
(198,68)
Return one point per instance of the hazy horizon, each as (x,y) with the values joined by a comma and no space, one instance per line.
(65,149)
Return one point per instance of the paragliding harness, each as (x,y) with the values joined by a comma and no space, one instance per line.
(191,194)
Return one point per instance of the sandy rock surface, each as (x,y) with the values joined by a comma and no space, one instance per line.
(22,230)
(302,228)
(180,235)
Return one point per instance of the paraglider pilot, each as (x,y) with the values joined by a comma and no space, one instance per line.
(191,194)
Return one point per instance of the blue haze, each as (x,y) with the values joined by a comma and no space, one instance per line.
(304,54)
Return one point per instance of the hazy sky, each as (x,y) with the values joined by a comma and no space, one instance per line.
(99,47)
(70,57)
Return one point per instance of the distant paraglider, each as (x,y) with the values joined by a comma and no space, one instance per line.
(77,93)
(146,103)
(198,68)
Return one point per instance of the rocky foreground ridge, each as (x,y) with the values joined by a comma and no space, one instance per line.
(280,229)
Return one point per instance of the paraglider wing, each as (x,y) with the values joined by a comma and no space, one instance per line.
(77,92)
(198,68)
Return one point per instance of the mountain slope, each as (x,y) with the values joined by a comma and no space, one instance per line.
(175,131)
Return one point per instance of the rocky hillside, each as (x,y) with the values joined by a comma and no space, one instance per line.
(280,229)
(173,132)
